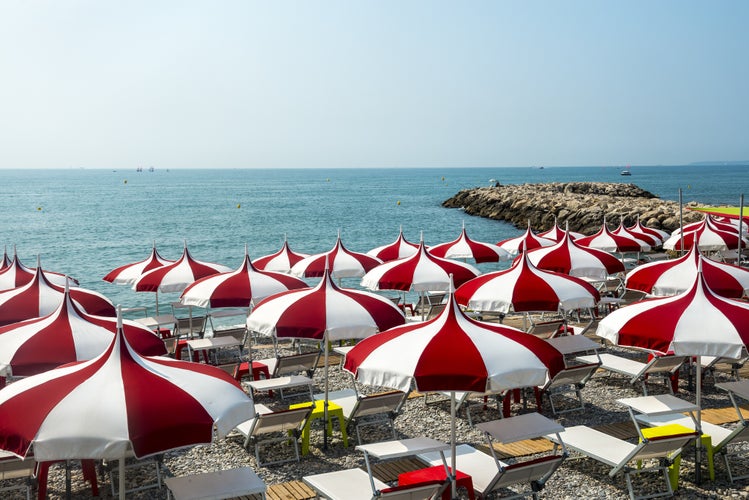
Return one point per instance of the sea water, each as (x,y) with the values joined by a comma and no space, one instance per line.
(86,222)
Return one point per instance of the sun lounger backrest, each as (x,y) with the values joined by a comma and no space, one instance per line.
(573,375)
(435,310)
(279,421)
(11,467)
(661,364)
(527,472)
(416,491)
(387,402)
(546,329)
(189,327)
(296,363)
(657,447)
(237,333)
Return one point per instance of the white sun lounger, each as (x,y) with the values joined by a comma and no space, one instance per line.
(355,484)
(637,371)
(618,453)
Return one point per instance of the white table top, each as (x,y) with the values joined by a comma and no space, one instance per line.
(216,485)
(153,321)
(271,384)
(573,344)
(661,404)
(402,447)
(347,484)
(343,349)
(526,426)
(740,388)
(213,343)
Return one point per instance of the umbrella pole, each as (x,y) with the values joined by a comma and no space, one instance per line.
(698,444)
(67,480)
(325,403)
(157,302)
(122,478)
(741,228)
(453,459)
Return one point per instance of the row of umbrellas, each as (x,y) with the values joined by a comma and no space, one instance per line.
(450,325)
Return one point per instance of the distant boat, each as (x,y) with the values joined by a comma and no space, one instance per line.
(625,172)
(150,169)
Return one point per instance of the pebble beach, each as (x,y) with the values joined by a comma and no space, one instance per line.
(576,478)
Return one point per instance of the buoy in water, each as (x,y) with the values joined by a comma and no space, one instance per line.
(125,181)
(239,206)
(398,202)
(38,209)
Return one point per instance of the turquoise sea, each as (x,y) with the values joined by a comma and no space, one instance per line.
(85,222)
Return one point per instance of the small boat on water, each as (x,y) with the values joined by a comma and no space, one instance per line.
(626,171)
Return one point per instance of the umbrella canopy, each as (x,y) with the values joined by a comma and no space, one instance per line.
(399,249)
(66,335)
(129,273)
(453,353)
(706,236)
(241,288)
(421,272)
(650,239)
(568,257)
(556,233)
(5,261)
(281,261)
(176,276)
(342,263)
(325,310)
(528,241)
(697,322)
(639,228)
(466,248)
(609,242)
(39,298)
(17,274)
(670,277)
(119,402)
(713,222)
(524,288)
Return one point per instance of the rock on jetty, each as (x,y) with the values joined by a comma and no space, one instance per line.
(582,205)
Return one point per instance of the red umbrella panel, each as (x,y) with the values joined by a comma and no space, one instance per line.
(64,336)
(129,273)
(281,261)
(17,274)
(466,248)
(707,238)
(243,287)
(525,288)
(399,249)
(119,403)
(670,277)
(39,298)
(650,239)
(556,233)
(568,257)
(657,233)
(342,263)
(527,241)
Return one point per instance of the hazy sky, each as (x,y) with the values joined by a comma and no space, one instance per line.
(235,84)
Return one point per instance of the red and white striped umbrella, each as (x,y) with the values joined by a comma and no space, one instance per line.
(639,228)
(556,233)
(66,335)
(609,242)
(324,310)
(176,276)
(281,261)
(399,249)
(670,277)
(17,274)
(712,222)
(5,261)
(342,263)
(697,322)
(453,353)
(39,298)
(528,241)
(524,288)
(650,239)
(421,272)
(119,403)
(129,273)
(568,257)
(243,287)
(707,238)
(466,248)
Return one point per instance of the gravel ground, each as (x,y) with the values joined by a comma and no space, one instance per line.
(576,478)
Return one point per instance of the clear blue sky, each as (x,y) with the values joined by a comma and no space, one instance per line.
(389,83)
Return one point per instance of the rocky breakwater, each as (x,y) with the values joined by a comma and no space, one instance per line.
(582,205)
